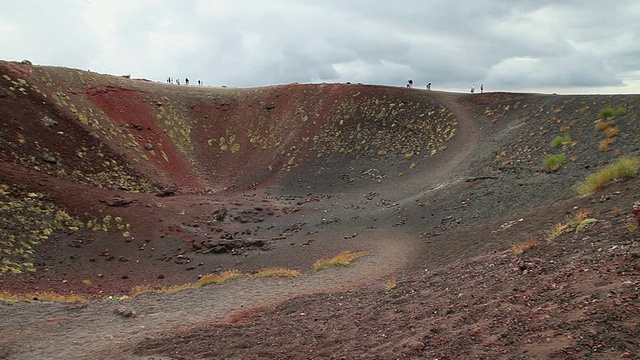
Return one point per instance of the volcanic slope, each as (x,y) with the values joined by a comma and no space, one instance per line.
(96,148)
(110,183)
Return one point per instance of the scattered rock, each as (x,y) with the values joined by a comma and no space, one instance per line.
(167,191)
(49,159)
(48,122)
(125,311)
(117,201)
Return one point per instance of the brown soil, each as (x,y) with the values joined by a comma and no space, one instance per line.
(109,183)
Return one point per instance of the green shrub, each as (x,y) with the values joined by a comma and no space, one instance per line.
(620,111)
(553,162)
(561,140)
(611,112)
(623,168)
(606,113)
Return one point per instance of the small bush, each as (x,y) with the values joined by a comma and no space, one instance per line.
(578,223)
(623,168)
(606,113)
(342,259)
(557,230)
(620,111)
(561,140)
(553,162)
(611,112)
(582,225)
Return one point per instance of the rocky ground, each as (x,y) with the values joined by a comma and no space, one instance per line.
(110,183)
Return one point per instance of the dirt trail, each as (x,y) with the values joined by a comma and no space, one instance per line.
(446,168)
(60,331)
(46,331)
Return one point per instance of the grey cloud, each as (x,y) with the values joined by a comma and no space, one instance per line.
(509,44)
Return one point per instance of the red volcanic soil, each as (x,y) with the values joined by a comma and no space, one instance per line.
(110,184)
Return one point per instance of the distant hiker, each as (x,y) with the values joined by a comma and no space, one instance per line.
(473,88)
(178,81)
(410,83)
(169,79)
(429,86)
(186,81)
(199,83)
(481,88)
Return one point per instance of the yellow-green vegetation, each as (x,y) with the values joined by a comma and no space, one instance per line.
(109,222)
(210,279)
(553,162)
(500,111)
(523,247)
(26,220)
(626,167)
(343,259)
(390,285)
(561,140)
(203,281)
(226,143)
(384,126)
(631,225)
(178,126)
(278,272)
(42,296)
(57,89)
(580,221)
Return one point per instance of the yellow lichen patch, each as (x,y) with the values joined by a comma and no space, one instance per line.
(36,218)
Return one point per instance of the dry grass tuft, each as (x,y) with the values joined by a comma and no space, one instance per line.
(623,168)
(604,125)
(611,132)
(280,272)
(218,278)
(214,279)
(390,285)
(342,259)
(523,247)
(605,145)
(43,297)
(203,281)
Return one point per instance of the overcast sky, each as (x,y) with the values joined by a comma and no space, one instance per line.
(564,46)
